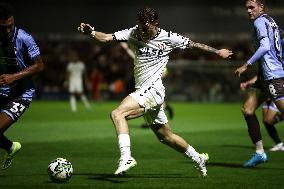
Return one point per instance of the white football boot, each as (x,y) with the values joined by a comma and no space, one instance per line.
(277,147)
(201,164)
(124,165)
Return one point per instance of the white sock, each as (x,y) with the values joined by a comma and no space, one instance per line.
(124,145)
(73,103)
(86,102)
(191,153)
(259,147)
(12,147)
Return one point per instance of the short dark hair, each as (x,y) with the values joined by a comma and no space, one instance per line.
(5,11)
(147,14)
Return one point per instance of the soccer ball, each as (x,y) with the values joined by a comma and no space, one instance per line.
(60,170)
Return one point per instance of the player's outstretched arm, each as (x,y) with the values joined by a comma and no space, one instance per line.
(37,67)
(224,53)
(87,29)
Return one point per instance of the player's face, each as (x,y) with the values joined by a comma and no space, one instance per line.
(6,28)
(254,9)
(147,30)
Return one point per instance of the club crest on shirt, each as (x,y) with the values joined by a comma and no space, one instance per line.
(162,46)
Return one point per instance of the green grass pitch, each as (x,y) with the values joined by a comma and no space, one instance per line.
(49,130)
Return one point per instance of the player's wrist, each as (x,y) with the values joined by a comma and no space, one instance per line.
(93,33)
(247,64)
(217,51)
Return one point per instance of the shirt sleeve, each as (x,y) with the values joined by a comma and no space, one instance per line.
(264,44)
(263,48)
(123,35)
(178,41)
(33,49)
(261,28)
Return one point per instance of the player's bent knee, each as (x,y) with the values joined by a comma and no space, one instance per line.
(247,110)
(115,114)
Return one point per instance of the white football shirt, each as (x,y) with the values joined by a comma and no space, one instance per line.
(150,57)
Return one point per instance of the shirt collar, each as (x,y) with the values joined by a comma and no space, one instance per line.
(14,33)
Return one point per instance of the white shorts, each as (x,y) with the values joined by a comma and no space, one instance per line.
(76,87)
(151,98)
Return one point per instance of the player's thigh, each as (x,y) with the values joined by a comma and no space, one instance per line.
(269,111)
(161,130)
(156,116)
(269,116)
(5,122)
(252,100)
(129,108)
(149,97)
(12,111)
(264,112)
(280,106)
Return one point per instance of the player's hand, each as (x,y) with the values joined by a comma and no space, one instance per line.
(85,28)
(6,79)
(244,86)
(241,70)
(225,53)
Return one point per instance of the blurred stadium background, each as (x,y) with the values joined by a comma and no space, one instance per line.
(194,75)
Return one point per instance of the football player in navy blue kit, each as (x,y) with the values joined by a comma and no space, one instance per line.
(19,60)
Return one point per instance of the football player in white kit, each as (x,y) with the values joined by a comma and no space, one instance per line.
(75,71)
(151,46)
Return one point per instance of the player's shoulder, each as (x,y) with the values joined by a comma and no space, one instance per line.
(23,35)
(164,32)
(168,34)
(131,30)
(261,20)
(70,64)
(81,64)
